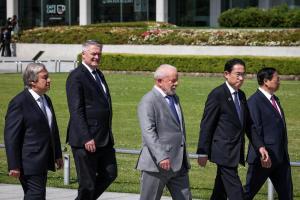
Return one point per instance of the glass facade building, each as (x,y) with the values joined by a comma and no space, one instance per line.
(2,12)
(39,13)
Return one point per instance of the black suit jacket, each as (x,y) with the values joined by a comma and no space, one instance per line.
(90,109)
(30,143)
(271,128)
(221,132)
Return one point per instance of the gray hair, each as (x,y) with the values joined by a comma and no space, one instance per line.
(31,73)
(89,43)
(162,71)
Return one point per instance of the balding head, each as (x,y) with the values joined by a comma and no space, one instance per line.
(166,78)
(163,71)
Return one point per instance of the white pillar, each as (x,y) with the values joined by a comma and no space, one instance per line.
(11,8)
(264,4)
(85,12)
(214,12)
(162,10)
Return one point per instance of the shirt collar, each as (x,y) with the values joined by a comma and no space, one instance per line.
(230,88)
(160,91)
(267,94)
(34,94)
(88,68)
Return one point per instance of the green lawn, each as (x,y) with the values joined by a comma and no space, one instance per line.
(126,91)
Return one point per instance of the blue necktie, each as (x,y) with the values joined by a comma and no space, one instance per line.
(172,107)
(237,105)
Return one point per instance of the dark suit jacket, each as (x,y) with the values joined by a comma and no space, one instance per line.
(30,143)
(270,126)
(90,109)
(221,132)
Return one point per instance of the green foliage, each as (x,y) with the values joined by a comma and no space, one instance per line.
(280,16)
(159,34)
(126,92)
(204,64)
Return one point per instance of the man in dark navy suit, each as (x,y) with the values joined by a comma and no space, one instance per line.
(269,121)
(225,119)
(89,131)
(31,134)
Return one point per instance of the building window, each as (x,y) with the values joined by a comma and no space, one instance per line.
(33,13)
(122,10)
(2,12)
(189,12)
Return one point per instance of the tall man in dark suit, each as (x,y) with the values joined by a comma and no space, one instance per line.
(89,131)
(31,135)
(269,121)
(164,158)
(225,119)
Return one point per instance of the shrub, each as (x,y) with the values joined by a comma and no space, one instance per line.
(204,64)
(159,36)
(280,16)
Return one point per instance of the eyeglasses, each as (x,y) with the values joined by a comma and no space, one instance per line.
(239,75)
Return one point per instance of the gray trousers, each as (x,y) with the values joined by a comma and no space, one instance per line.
(153,184)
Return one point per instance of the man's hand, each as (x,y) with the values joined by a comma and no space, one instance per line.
(59,163)
(165,164)
(202,161)
(14,173)
(90,146)
(264,158)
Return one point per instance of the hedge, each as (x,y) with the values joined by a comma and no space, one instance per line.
(203,64)
(280,16)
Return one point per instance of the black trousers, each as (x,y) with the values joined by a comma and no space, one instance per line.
(34,186)
(280,175)
(227,184)
(95,171)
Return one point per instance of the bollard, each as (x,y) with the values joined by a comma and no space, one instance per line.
(55,65)
(66,169)
(17,64)
(75,63)
(270,190)
(59,62)
(21,66)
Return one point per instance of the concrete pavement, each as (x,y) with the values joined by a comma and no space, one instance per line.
(15,192)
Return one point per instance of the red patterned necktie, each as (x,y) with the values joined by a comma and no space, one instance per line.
(274,104)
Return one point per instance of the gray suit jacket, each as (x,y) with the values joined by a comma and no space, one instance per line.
(163,137)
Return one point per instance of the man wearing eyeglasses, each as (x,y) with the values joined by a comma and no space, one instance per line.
(221,140)
(89,130)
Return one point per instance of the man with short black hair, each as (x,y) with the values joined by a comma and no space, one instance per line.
(221,140)
(269,121)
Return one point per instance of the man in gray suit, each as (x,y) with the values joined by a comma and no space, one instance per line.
(163,159)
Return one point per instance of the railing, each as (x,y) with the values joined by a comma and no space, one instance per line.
(66,158)
(57,64)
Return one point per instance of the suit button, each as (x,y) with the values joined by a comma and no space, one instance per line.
(181,145)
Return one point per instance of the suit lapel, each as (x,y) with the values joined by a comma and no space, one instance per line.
(229,101)
(34,105)
(165,105)
(269,105)
(93,81)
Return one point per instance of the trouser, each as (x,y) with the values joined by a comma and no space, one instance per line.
(280,175)
(227,184)
(95,171)
(34,186)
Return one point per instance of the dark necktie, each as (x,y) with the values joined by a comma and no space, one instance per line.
(237,105)
(43,108)
(172,107)
(274,104)
(99,82)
